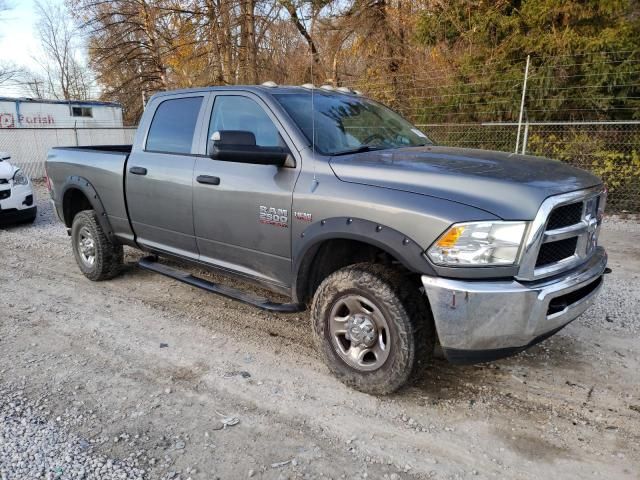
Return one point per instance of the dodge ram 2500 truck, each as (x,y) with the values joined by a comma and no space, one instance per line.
(339,203)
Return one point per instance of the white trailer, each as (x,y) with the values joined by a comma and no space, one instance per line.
(39,113)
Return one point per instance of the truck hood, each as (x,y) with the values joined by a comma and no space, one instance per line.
(507,185)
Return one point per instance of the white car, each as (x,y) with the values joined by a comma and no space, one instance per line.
(17,204)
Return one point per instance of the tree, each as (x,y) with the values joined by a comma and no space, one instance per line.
(297,19)
(9,73)
(148,46)
(65,75)
(433,60)
(584,58)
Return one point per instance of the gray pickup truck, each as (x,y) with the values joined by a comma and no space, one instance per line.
(395,244)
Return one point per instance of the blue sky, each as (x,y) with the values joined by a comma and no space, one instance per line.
(18,38)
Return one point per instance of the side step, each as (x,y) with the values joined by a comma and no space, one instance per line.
(150,263)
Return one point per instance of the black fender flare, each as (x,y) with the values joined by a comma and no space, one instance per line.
(85,186)
(395,243)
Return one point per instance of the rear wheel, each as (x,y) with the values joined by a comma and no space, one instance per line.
(97,256)
(373,327)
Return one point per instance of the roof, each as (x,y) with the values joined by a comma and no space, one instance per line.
(63,102)
(281,89)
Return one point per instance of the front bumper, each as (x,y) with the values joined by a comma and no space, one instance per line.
(485,320)
(9,217)
(17,204)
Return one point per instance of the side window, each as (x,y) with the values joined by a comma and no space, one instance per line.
(233,112)
(81,112)
(173,125)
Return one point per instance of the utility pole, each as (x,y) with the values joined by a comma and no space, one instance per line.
(524,94)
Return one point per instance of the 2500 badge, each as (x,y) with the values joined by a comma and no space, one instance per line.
(274,216)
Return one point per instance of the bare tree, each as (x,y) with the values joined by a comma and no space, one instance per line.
(9,73)
(138,47)
(65,75)
(295,9)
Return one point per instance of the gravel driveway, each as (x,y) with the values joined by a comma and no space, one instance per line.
(144,377)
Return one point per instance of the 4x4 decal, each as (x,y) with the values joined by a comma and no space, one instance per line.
(303,216)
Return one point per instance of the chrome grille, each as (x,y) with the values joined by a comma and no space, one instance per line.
(563,234)
(565,215)
(553,252)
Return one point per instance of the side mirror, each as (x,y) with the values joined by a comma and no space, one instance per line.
(240,146)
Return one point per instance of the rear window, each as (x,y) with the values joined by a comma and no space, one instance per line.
(173,125)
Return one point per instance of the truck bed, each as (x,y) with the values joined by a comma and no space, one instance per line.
(102,166)
(100,148)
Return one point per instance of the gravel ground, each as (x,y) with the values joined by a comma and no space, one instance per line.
(32,446)
(142,377)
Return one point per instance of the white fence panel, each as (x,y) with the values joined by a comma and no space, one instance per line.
(29,146)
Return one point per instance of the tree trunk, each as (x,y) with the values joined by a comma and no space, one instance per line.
(252,47)
(149,28)
(293,13)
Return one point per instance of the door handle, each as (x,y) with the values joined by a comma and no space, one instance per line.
(138,170)
(208,180)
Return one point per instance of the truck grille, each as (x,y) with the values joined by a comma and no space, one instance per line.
(564,233)
(565,215)
(5,194)
(554,252)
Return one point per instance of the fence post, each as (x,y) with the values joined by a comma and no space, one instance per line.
(525,138)
(75,131)
(524,93)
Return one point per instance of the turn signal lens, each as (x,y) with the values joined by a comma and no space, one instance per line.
(450,238)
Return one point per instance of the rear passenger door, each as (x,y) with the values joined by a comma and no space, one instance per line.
(159,176)
(234,229)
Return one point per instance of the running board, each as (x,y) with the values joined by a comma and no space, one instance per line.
(150,263)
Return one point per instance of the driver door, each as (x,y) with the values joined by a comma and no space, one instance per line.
(232,200)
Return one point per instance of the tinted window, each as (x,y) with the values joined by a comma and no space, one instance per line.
(233,112)
(346,122)
(173,125)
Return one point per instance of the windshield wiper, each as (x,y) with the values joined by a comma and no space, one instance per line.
(360,149)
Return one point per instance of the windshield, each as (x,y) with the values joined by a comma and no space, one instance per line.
(345,123)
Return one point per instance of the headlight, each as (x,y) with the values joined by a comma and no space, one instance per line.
(20,178)
(479,244)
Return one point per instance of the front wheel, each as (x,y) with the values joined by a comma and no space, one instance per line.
(373,327)
(97,256)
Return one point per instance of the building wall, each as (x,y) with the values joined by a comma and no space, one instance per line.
(33,114)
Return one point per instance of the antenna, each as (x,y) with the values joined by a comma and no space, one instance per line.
(313,128)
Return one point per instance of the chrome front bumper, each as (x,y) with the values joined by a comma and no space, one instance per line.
(485,320)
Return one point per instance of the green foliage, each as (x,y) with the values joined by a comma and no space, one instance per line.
(619,169)
(585,58)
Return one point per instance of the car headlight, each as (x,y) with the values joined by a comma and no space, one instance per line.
(20,178)
(479,244)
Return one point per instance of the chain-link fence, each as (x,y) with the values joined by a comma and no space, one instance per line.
(28,146)
(610,150)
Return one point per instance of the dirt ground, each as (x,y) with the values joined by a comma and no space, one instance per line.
(96,354)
